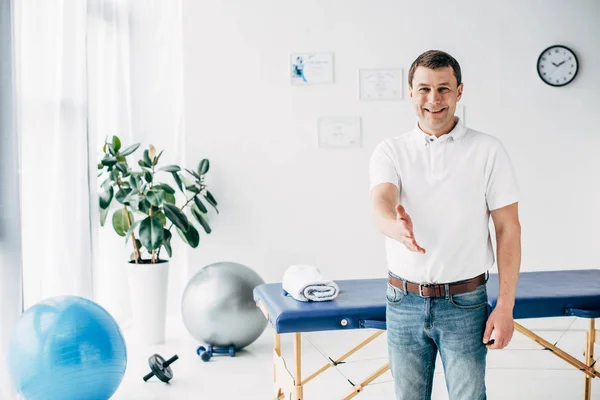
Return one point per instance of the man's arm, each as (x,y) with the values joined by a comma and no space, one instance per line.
(508,243)
(508,247)
(391,218)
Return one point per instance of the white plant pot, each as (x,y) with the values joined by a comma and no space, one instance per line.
(148,285)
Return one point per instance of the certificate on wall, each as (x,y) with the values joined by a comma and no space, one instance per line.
(311,68)
(339,132)
(380,84)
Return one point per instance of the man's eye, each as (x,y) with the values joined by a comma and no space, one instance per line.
(424,90)
(444,89)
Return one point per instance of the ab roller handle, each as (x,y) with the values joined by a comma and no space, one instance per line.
(160,368)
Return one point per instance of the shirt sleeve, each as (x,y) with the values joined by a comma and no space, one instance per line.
(383,167)
(502,187)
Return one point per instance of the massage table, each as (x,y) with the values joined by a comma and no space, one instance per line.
(361,304)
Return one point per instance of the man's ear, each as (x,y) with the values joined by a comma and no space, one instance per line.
(410,92)
(459,91)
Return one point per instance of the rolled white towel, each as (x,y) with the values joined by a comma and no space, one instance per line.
(306,283)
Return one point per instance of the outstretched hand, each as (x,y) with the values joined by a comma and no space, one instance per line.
(405,234)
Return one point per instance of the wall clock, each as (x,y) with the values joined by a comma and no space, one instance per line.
(557,65)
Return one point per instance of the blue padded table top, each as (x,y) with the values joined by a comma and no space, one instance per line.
(539,295)
(357,300)
(553,294)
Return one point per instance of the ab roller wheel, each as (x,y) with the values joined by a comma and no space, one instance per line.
(160,368)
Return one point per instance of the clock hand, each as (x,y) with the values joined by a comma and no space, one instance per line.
(560,63)
(553,63)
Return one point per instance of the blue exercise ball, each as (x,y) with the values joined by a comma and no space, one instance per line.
(67,348)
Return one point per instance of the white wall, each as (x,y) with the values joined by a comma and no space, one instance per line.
(284,201)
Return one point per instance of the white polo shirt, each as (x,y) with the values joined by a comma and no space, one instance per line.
(448,186)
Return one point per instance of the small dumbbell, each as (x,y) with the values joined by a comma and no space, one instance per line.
(160,368)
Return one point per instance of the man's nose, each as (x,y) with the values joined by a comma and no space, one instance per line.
(434,97)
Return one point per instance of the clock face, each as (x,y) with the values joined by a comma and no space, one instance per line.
(557,65)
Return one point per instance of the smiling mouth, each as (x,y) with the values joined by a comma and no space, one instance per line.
(434,111)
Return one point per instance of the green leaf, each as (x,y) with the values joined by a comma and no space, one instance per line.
(107,184)
(111,150)
(130,194)
(193,189)
(151,233)
(120,222)
(165,188)
(109,161)
(103,214)
(133,201)
(144,206)
(148,176)
(200,205)
(178,181)
(116,144)
(161,216)
(158,157)
(106,197)
(139,245)
(147,159)
(121,195)
(100,166)
(176,216)
(167,242)
(170,168)
(193,237)
(143,163)
(121,166)
(203,167)
(196,213)
(181,235)
(169,198)
(195,175)
(154,198)
(129,150)
(211,199)
(133,181)
(131,229)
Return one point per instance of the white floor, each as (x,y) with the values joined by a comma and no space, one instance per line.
(522,371)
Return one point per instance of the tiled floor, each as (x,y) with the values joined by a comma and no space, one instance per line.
(520,372)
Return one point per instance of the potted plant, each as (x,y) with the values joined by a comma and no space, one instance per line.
(146,216)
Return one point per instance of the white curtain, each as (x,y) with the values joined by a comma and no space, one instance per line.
(10,225)
(57,247)
(90,70)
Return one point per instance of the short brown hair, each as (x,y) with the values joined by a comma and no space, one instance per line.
(435,59)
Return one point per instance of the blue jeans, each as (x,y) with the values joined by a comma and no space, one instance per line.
(418,327)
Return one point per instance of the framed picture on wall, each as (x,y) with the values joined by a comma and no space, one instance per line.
(311,68)
(381,84)
(339,132)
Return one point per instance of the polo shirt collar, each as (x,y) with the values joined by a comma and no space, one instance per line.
(457,133)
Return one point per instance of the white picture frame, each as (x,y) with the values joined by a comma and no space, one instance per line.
(311,68)
(339,132)
(381,84)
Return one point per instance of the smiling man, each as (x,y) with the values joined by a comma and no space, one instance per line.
(433,191)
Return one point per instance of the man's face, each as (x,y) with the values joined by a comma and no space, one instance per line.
(435,93)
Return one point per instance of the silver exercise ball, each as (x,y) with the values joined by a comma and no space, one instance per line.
(218,307)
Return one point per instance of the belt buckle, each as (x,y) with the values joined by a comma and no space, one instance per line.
(421,286)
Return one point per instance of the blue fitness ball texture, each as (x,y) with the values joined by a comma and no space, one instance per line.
(67,348)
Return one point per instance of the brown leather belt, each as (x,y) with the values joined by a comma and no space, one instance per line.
(438,290)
